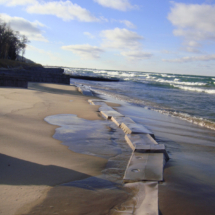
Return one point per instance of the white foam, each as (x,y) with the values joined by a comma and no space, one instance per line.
(200,90)
(192,119)
(127,75)
(99,71)
(175,81)
(167,76)
(113,73)
(150,77)
(144,75)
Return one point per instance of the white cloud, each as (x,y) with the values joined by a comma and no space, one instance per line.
(127,42)
(25,27)
(65,10)
(193,22)
(128,23)
(164,51)
(86,51)
(191,59)
(192,46)
(102,18)
(122,5)
(11,3)
(136,55)
(89,35)
(121,39)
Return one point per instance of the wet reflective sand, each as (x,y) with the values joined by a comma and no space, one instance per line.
(189,175)
(97,138)
(93,195)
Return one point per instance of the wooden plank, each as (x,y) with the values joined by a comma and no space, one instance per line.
(133,128)
(144,201)
(109,114)
(144,143)
(94,100)
(144,167)
(136,141)
(149,204)
(119,120)
(106,108)
(98,102)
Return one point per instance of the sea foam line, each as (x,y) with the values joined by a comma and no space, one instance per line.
(200,90)
(176,81)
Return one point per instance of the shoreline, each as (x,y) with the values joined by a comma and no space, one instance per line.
(27,141)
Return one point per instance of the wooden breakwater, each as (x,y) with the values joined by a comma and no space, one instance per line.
(90,78)
(21,77)
(145,166)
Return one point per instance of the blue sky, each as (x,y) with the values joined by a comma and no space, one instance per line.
(135,35)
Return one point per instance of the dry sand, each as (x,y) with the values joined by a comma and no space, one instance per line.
(32,162)
(34,165)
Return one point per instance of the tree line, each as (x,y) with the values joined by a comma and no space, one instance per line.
(12,43)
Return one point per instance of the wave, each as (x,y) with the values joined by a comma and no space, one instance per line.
(167,76)
(143,75)
(155,107)
(99,71)
(192,119)
(200,90)
(176,81)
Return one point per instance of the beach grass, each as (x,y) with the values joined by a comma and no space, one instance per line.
(5,63)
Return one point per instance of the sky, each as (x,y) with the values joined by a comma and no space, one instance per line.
(132,35)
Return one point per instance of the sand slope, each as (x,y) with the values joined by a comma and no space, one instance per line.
(31,161)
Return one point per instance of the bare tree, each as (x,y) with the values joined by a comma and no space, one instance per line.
(11,43)
(23,42)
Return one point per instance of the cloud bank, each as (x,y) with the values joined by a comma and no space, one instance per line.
(121,39)
(136,55)
(129,43)
(191,59)
(85,51)
(194,22)
(127,23)
(122,5)
(30,29)
(65,10)
(12,3)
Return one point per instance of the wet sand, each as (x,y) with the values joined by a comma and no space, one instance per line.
(32,162)
(189,175)
(39,175)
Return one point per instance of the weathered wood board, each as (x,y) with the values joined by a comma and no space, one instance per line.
(109,114)
(144,167)
(133,128)
(119,120)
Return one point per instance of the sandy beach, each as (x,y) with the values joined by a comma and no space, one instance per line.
(43,171)
(32,162)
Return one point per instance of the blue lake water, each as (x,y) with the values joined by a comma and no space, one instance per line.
(189,97)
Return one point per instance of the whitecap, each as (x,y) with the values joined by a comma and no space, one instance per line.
(200,90)
(176,81)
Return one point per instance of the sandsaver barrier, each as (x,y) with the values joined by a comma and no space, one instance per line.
(145,167)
